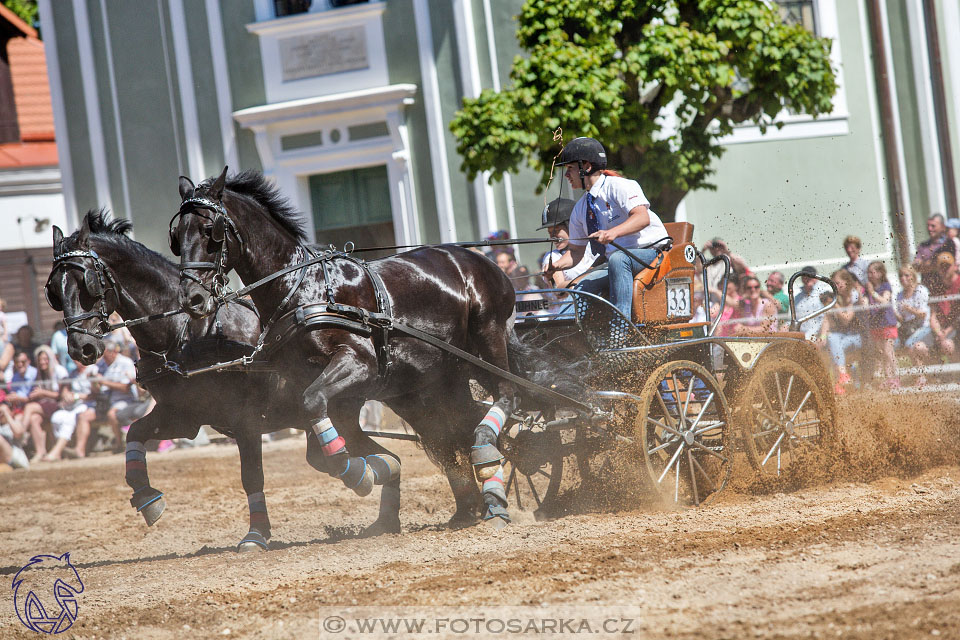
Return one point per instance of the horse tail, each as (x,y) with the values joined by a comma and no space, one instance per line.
(548,366)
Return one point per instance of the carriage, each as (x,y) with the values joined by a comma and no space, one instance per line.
(673,403)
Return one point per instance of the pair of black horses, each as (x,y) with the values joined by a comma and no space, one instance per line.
(323,371)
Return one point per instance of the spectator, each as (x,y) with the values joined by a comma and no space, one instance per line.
(882,321)
(857,265)
(72,416)
(774,284)
(43,398)
(945,314)
(11,434)
(756,312)
(927,251)
(731,304)
(913,313)
(953,230)
(519,276)
(738,266)
(23,341)
(808,301)
(58,342)
(20,382)
(843,328)
(497,236)
(117,375)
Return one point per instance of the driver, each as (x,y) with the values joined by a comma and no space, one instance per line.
(612,209)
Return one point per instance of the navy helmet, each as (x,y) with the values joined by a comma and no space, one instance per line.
(557,212)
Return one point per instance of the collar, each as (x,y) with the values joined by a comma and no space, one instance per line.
(595,189)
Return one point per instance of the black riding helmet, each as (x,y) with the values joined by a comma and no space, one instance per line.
(582,150)
(557,212)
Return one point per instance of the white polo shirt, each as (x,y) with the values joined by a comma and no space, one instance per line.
(614,198)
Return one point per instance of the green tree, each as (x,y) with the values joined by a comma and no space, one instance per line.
(25,9)
(618,70)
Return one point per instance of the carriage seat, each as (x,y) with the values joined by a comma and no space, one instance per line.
(664,294)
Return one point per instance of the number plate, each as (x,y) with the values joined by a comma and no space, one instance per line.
(678,297)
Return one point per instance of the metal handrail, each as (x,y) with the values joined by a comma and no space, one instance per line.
(728,266)
(794,323)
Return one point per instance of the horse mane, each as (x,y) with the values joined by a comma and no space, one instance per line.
(254,185)
(116,232)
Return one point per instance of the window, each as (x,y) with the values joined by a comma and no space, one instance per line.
(802,12)
(353,206)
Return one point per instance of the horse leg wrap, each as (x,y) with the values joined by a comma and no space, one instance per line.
(495,500)
(136,474)
(389,502)
(354,472)
(385,468)
(485,457)
(259,532)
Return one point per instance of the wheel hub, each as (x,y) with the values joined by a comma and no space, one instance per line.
(688,438)
(789,427)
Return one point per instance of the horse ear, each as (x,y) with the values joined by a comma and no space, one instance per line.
(186,188)
(216,189)
(83,237)
(57,239)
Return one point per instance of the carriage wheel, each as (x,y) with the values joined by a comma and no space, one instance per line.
(533,467)
(683,433)
(782,412)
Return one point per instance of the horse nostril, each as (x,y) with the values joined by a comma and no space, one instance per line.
(88,351)
(196,301)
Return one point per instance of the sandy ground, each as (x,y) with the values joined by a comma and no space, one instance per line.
(862,542)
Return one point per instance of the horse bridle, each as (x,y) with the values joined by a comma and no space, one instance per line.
(222,224)
(96,282)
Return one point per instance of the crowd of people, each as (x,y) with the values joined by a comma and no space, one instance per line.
(50,403)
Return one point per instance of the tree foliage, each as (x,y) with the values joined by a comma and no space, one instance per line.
(25,9)
(658,82)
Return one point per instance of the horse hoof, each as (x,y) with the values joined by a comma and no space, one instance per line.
(252,542)
(152,512)
(462,520)
(497,523)
(497,517)
(381,527)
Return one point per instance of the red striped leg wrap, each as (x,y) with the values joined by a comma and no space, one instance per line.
(331,442)
(258,513)
(494,485)
(494,420)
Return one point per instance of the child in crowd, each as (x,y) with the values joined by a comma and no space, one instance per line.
(882,321)
(71,416)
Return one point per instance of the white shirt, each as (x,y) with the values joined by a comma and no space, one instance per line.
(806,304)
(615,198)
(589,257)
(122,370)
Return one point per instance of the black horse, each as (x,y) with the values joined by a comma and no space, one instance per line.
(98,270)
(335,322)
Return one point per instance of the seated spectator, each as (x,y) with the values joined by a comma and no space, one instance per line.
(11,435)
(519,276)
(842,328)
(738,266)
(774,284)
(913,313)
(72,416)
(882,322)
(808,301)
(755,312)
(20,382)
(115,385)
(21,342)
(43,398)
(857,265)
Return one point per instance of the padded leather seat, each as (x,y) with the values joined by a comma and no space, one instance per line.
(664,294)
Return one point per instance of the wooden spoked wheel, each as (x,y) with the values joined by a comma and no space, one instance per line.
(682,427)
(533,466)
(781,411)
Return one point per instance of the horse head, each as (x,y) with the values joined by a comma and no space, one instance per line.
(201,234)
(83,288)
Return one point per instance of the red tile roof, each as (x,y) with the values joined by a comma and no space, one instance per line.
(14,155)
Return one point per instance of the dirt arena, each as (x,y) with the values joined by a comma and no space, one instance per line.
(861,543)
